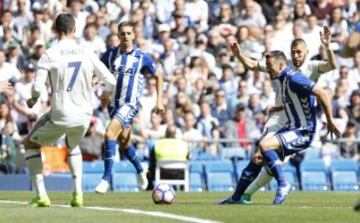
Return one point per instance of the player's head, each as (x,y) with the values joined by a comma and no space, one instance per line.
(64,25)
(299,52)
(126,34)
(275,63)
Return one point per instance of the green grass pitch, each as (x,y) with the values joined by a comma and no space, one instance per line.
(326,207)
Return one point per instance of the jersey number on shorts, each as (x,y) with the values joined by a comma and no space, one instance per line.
(76,65)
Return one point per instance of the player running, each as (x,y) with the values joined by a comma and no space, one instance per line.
(129,65)
(70,68)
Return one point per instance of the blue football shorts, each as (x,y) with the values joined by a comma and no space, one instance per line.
(125,114)
(295,140)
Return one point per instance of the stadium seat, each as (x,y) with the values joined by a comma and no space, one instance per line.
(344,165)
(93,167)
(196,167)
(125,182)
(313,165)
(314,181)
(314,175)
(219,182)
(344,175)
(240,166)
(236,153)
(90,181)
(220,166)
(124,166)
(59,182)
(345,181)
(180,168)
(15,182)
(195,182)
(312,153)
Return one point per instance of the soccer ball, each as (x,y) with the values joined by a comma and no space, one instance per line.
(163,194)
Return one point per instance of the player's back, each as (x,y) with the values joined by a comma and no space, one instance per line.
(70,73)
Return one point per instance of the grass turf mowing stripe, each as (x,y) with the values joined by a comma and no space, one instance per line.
(130,211)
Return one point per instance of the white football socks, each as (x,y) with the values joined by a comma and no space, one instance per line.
(75,164)
(261,180)
(33,158)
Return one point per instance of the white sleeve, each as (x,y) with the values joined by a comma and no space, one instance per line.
(315,72)
(103,73)
(43,68)
(44,62)
(262,65)
(39,83)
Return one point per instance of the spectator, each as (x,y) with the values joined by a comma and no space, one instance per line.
(169,148)
(8,72)
(220,110)
(350,149)
(242,128)
(15,56)
(7,152)
(91,40)
(92,143)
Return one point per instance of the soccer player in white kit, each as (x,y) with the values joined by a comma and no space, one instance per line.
(70,68)
(254,180)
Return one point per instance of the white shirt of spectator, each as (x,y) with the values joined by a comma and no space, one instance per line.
(9,71)
(22,94)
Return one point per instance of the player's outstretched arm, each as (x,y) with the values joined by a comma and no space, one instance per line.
(248,62)
(325,37)
(322,97)
(160,109)
(103,74)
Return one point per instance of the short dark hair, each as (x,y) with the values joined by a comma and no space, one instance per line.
(277,54)
(298,41)
(126,23)
(64,23)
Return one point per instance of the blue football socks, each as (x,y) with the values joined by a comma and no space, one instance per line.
(130,154)
(274,164)
(110,149)
(247,177)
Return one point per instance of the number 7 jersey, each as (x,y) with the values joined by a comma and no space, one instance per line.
(70,68)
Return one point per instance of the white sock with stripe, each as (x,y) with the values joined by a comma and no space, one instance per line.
(33,158)
(261,180)
(75,164)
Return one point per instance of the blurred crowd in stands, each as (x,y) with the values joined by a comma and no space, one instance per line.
(210,97)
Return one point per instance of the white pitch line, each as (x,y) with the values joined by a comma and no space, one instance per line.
(131,211)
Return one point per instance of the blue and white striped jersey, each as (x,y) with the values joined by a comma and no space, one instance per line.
(296,95)
(129,69)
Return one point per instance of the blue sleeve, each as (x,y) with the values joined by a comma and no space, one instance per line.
(299,82)
(105,58)
(149,65)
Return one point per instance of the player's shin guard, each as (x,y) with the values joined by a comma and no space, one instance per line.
(33,158)
(261,180)
(130,154)
(110,148)
(75,163)
(274,164)
(247,176)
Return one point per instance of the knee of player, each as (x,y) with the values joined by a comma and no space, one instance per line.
(28,144)
(110,135)
(264,145)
